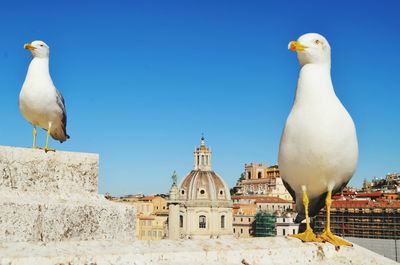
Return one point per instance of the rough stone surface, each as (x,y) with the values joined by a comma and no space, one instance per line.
(53,196)
(263,251)
(33,170)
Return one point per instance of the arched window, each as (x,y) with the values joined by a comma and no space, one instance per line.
(222,221)
(259,174)
(181,221)
(202,221)
(248,174)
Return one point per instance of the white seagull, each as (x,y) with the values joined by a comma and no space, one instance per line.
(318,152)
(40,102)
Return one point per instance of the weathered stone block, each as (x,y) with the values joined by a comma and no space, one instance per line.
(48,197)
(33,170)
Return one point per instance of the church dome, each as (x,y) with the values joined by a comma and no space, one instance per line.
(202,183)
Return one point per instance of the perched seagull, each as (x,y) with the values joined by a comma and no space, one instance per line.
(318,152)
(40,102)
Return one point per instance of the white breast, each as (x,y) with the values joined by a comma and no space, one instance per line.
(319,145)
(37,99)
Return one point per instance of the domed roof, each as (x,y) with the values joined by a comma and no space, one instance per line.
(203,185)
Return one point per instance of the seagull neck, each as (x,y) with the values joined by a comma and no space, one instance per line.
(314,82)
(39,67)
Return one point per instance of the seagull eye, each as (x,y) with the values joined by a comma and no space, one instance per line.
(41,45)
(317,42)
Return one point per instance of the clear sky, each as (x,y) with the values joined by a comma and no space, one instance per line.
(143,79)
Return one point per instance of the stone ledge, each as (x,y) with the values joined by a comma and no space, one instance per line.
(33,170)
(30,219)
(265,251)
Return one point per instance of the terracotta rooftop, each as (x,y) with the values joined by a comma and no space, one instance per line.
(370,194)
(261,199)
(365,204)
(147,198)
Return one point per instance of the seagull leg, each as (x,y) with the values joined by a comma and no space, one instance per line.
(327,235)
(308,235)
(34,137)
(46,148)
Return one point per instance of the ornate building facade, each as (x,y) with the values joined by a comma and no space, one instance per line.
(200,206)
(259,179)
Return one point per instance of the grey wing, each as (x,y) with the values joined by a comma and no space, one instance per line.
(61,104)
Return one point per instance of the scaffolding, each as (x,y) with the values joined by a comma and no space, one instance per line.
(362,223)
(265,224)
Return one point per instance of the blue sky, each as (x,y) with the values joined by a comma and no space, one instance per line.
(143,79)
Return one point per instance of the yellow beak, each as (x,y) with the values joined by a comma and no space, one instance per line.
(296,46)
(29,46)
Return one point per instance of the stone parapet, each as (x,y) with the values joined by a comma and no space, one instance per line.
(254,251)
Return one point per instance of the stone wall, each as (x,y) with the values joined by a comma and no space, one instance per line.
(53,197)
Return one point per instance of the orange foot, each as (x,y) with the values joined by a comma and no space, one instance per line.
(307,236)
(328,236)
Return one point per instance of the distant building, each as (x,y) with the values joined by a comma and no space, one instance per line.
(246,208)
(201,206)
(258,179)
(151,215)
(363,218)
(244,216)
(266,203)
(391,183)
(285,224)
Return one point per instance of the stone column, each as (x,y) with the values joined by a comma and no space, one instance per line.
(173,221)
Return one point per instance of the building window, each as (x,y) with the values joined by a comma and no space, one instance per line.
(234,230)
(248,174)
(283,220)
(222,221)
(181,221)
(259,174)
(202,192)
(241,230)
(182,192)
(202,221)
(284,231)
(221,192)
(249,220)
(294,231)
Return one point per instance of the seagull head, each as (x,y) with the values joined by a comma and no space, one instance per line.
(38,48)
(311,48)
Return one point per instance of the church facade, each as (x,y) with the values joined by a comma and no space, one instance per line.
(200,206)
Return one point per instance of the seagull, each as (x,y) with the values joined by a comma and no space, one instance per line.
(318,151)
(40,102)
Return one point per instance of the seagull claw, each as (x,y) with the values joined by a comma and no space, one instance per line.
(328,236)
(46,149)
(307,236)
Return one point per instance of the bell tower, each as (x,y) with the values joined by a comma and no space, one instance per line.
(202,157)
